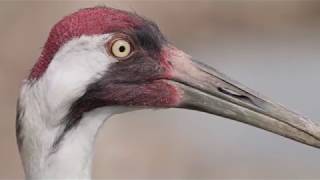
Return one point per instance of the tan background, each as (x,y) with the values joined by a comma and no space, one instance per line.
(273,47)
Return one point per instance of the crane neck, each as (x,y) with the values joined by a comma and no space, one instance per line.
(72,159)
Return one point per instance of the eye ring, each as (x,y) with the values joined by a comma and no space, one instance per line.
(120,46)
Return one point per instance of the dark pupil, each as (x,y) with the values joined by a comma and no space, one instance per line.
(122,48)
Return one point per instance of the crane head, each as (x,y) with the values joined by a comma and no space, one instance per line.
(104,57)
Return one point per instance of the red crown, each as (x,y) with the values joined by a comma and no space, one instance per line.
(90,21)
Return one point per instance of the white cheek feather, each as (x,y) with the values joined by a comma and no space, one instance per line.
(79,63)
(46,102)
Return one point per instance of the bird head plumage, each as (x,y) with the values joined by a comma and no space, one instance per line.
(104,57)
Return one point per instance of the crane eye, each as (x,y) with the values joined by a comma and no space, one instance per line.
(121,48)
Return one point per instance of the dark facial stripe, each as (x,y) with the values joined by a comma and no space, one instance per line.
(149,37)
(19,116)
(129,82)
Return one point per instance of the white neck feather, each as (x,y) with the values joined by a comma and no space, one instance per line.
(73,157)
(45,103)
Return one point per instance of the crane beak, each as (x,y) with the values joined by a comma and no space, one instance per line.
(207,90)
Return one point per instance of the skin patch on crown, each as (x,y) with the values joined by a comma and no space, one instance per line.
(89,21)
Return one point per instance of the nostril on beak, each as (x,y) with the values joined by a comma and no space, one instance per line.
(237,95)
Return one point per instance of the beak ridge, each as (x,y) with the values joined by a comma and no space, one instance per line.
(207,90)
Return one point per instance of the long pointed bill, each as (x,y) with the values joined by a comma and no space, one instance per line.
(207,90)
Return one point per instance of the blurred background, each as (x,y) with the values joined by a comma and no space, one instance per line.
(272,47)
